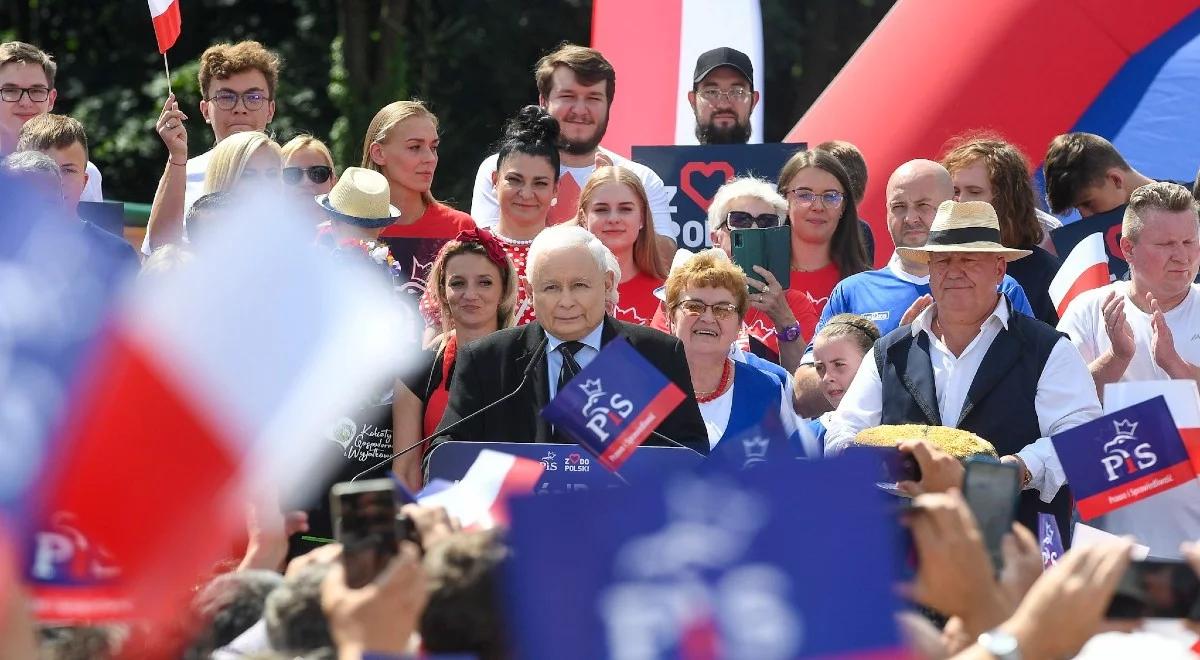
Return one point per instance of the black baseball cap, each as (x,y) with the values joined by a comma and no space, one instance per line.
(723,56)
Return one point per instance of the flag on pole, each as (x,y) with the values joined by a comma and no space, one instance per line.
(1084,269)
(167,22)
(209,381)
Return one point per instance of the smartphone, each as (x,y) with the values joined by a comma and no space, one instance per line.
(770,248)
(991,490)
(894,465)
(365,523)
(1158,589)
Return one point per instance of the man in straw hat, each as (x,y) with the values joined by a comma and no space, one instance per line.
(359,205)
(968,361)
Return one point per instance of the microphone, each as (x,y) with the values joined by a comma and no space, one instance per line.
(533,362)
(674,443)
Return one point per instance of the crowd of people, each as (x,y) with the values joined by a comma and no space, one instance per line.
(568,246)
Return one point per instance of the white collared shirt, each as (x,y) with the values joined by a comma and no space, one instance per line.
(584,357)
(1064,397)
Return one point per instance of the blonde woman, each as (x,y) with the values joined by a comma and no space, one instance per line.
(614,208)
(308,171)
(243,161)
(402,144)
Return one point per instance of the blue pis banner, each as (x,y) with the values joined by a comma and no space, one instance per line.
(1123,457)
(694,173)
(1050,540)
(614,403)
(709,566)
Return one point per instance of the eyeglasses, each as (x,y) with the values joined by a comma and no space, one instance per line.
(317,174)
(743,220)
(228,100)
(807,197)
(720,311)
(251,174)
(14,94)
(736,95)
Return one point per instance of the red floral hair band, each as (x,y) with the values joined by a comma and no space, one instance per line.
(491,246)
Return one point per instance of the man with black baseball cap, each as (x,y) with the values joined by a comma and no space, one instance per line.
(723,96)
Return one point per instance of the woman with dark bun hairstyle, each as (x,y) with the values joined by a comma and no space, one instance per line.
(525,181)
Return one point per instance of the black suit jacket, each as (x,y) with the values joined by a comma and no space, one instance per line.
(489,368)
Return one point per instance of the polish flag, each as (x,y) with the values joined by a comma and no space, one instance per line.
(210,381)
(479,501)
(652,43)
(1086,268)
(167,22)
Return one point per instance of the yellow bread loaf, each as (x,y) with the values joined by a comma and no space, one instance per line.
(956,442)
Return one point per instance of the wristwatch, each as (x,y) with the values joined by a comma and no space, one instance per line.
(1000,644)
(788,334)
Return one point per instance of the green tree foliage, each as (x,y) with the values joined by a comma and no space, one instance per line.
(469,60)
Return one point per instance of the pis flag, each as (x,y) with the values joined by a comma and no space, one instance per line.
(167,23)
(613,404)
(716,566)
(694,173)
(1123,457)
(1182,398)
(1050,540)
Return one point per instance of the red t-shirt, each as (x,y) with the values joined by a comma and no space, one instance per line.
(818,284)
(415,246)
(637,303)
(517,252)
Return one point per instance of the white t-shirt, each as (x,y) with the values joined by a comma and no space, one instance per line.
(94,190)
(193,189)
(486,210)
(1164,521)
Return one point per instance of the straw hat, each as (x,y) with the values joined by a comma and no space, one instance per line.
(361,197)
(963,227)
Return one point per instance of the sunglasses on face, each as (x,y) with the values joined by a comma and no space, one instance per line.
(317,174)
(720,311)
(251,174)
(743,220)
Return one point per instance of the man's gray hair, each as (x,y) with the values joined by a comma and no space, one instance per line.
(295,622)
(228,605)
(564,236)
(612,266)
(24,163)
(743,186)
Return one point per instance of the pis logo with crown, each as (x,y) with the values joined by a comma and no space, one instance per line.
(600,409)
(755,448)
(1122,457)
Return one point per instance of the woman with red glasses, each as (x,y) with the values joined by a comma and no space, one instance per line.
(827,244)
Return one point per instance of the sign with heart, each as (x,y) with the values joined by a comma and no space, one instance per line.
(699,171)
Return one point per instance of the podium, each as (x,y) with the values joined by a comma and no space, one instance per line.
(569,468)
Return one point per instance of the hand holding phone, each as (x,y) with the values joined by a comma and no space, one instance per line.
(1157,589)
(366,524)
(991,490)
(770,248)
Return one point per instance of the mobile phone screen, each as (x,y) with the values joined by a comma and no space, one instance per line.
(991,489)
(1157,588)
(365,519)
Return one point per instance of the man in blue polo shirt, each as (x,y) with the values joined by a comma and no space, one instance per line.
(912,195)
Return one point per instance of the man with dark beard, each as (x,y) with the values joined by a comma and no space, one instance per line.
(576,85)
(723,96)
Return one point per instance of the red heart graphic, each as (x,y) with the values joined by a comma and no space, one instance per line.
(705,170)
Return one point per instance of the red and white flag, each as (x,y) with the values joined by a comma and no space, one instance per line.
(213,379)
(167,22)
(479,500)
(1086,268)
(655,44)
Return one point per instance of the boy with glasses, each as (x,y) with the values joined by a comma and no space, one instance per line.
(238,84)
(27,90)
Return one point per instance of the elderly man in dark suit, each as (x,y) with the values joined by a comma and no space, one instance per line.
(569,282)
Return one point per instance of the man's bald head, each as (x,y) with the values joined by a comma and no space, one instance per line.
(913,193)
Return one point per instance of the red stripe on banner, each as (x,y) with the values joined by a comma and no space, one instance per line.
(1093,277)
(520,479)
(641,40)
(1191,443)
(143,481)
(985,79)
(167,27)
(1135,491)
(639,429)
